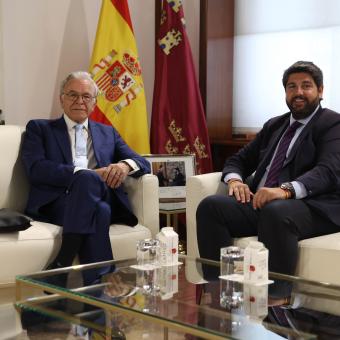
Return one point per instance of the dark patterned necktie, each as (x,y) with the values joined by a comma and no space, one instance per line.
(277,163)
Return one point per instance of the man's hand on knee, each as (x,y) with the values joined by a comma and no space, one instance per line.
(265,195)
(115,174)
(100,172)
(240,190)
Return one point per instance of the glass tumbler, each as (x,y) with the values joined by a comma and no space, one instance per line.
(148,259)
(231,260)
(148,252)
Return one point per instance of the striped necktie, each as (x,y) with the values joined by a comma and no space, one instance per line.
(280,156)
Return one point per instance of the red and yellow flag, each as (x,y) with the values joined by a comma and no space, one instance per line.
(178,121)
(116,70)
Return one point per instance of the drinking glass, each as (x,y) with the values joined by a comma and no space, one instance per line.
(231,294)
(148,257)
(231,260)
(148,252)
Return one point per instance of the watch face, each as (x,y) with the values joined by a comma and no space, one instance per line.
(288,186)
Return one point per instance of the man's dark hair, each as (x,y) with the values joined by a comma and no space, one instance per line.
(304,66)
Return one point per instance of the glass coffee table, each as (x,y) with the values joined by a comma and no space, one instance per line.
(129,298)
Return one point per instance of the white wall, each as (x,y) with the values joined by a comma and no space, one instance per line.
(269,37)
(43,40)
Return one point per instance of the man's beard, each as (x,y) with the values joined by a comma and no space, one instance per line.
(306,111)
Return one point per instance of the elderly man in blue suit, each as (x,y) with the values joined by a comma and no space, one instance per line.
(76,168)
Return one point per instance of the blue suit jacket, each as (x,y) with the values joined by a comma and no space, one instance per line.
(47,158)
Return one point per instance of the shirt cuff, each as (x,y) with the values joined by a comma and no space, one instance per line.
(132,164)
(78,168)
(300,190)
(232,175)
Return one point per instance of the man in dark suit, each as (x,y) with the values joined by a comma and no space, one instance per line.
(295,192)
(76,176)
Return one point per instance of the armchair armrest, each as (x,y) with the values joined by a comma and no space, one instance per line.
(197,188)
(143,196)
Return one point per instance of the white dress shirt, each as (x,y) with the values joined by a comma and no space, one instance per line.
(91,159)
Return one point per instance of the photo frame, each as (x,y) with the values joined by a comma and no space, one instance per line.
(172,172)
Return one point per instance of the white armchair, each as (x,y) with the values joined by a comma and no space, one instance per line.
(318,256)
(31,250)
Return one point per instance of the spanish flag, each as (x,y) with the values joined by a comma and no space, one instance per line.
(116,70)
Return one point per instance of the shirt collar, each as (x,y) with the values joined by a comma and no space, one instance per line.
(305,120)
(71,124)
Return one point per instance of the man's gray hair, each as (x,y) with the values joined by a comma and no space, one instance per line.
(79,75)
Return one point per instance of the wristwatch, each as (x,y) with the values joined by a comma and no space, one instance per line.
(288,186)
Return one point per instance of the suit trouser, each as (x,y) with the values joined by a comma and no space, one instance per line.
(279,225)
(86,208)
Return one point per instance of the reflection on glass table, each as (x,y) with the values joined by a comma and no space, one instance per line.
(224,309)
(171,209)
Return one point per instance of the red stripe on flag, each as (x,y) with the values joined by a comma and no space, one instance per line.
(99,116)
(105,87)
(103,82)
(104,78)
(123,8)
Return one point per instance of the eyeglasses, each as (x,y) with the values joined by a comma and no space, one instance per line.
(73,96)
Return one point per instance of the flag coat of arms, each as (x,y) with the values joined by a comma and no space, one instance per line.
(116,69)
(178,123)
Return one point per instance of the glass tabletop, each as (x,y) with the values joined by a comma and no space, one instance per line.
(211,308)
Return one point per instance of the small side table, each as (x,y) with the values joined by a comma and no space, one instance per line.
(171,211)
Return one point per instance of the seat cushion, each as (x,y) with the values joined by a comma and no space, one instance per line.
(318,257)
(28,251)
(124,239)
(31,250)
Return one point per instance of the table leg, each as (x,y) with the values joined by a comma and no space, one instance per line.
(168,220)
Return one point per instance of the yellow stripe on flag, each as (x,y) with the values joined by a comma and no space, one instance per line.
(115,68)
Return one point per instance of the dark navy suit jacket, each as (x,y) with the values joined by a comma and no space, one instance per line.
(314,160)
(47,157)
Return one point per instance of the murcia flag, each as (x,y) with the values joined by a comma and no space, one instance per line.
(116,70)
(178,121)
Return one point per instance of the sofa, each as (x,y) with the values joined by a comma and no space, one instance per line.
(318,256)
(31,250)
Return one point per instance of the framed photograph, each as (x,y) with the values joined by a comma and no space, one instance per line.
(172,172)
